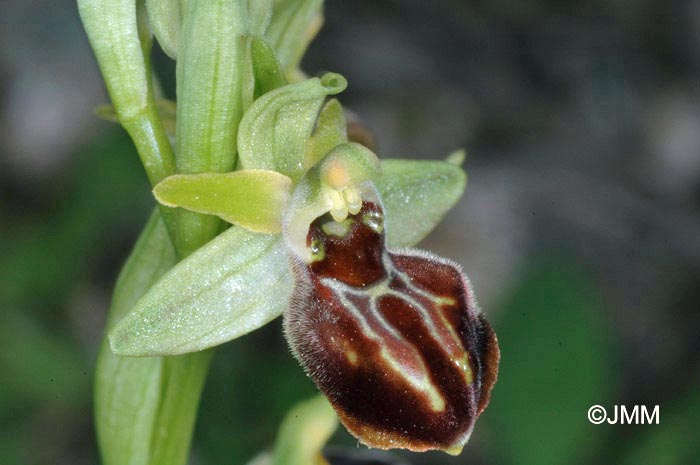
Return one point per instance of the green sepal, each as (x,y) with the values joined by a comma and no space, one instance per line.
(165,19)
(294,25)
(253,199)
(304,432)
(416,194)
(330,131)
(275,130)
(219,293)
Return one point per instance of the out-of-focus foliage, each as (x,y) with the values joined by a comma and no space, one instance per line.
(557,361)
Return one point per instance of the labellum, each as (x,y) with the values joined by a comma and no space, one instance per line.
(395,340)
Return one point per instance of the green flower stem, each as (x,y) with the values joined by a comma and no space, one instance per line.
(182,384)
(122,45)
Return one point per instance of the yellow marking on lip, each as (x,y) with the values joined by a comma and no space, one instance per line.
(420,380)
(351,356)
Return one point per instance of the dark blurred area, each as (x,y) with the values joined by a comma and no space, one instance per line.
(580,227)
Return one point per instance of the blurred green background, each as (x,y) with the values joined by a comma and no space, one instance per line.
(580,228)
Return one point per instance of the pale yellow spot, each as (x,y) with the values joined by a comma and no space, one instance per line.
(463,364)
(337,176)
(351,356)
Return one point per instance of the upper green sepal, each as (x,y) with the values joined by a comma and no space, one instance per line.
(274,132)
(416,195)
(254,199)
(235,284)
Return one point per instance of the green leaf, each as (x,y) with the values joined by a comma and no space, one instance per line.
(416,195)
(209,104)
(294,25)
(165,19)
(330,131)
(127,390)
(304,432)
(236,283)
(557,361)
(254,199)
(275,130)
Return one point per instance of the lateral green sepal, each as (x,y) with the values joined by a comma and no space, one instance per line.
(220,292)
(253,199)
(416,195)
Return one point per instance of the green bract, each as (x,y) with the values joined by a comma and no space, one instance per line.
(262,72)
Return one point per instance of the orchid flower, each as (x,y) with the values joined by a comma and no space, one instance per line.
(273,208)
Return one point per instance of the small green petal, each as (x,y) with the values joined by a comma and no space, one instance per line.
(254,199)
(209,104)
(165,19)
(416,195)
(234,284)
(304,432)
(331,130)
(274,132)
(294,25)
